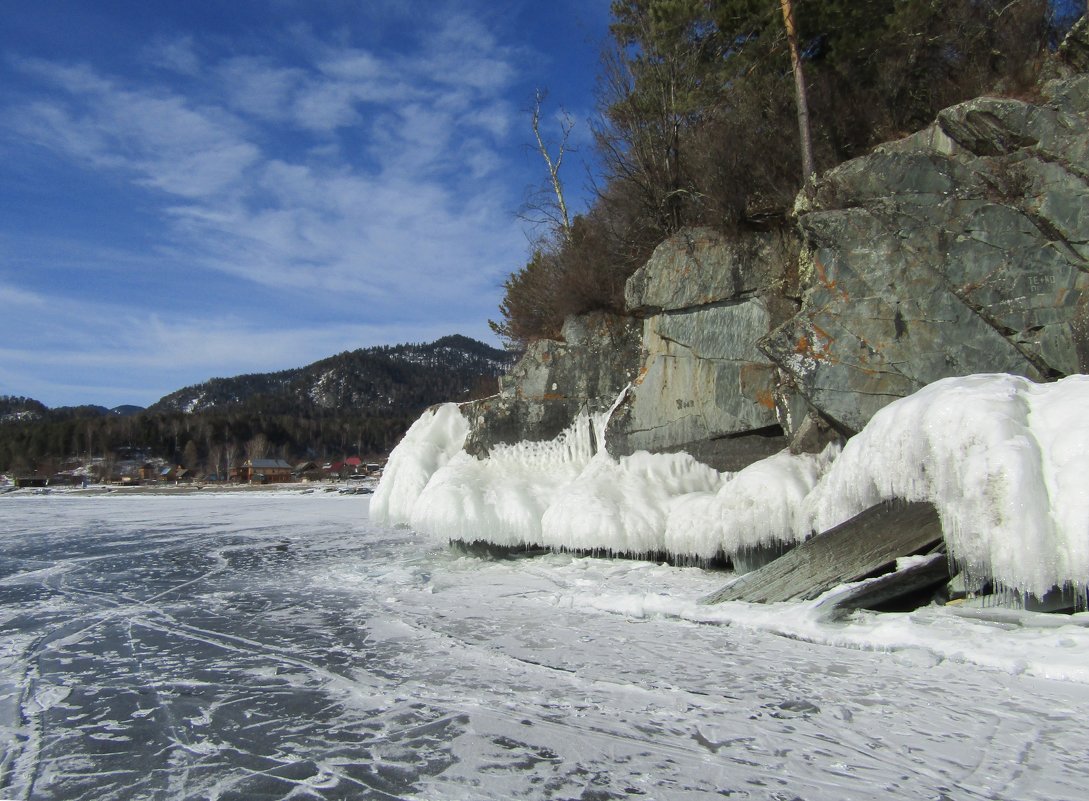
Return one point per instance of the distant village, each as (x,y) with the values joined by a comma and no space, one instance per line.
(158,472)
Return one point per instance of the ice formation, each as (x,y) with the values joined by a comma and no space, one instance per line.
(622,505)
(1005,462)
(502,499)
(570,493)
(758,507)
(428,444)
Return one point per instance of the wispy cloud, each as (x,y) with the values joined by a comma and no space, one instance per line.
(331,171)
(160,352)
(420,199)
(259,87)
(176,54)
(159,138)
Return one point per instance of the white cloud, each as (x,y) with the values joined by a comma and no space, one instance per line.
(326,107)
(177,55)
(13,297)
(481,160)
(162,139)
(464,53)
(258,87)
(496,118)
(355,66)
(164,351)
(353,177)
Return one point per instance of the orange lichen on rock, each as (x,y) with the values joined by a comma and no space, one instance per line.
(766,399)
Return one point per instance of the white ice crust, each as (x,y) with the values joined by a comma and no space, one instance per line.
(428,444)
(1003,459)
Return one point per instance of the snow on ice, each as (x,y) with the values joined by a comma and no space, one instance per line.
(281,645)
(1002,458)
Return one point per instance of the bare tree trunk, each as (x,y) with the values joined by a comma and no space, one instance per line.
(554,166)
(257,447)
(799,90)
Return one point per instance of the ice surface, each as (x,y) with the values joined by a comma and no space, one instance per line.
(276,646)
(1003,459)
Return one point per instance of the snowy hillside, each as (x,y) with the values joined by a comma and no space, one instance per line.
(388,378)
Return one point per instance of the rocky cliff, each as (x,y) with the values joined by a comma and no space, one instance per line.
(963,248)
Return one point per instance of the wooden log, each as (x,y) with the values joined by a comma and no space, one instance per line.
(851,551)
(929,572)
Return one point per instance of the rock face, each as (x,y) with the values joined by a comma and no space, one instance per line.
(703,385)
(687,350)
(555,380)
(1074,51)
(700,266)
(963,248)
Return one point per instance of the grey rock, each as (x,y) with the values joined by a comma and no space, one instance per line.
(879,322)
(555,380)
(1074,50)
(698,382)
(1069,93)
(989,126)
(813,435)
(703,380)
(731,452)
(700,266)
(960,249)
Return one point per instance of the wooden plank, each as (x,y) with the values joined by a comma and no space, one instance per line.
(849,552)
(930,571)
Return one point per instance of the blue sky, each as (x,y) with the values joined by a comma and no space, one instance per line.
(201,188)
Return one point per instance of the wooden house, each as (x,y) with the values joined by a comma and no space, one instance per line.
(267,471)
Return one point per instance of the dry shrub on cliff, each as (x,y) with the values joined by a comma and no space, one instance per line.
(583,272)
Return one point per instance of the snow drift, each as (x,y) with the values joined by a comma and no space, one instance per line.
(1003,459)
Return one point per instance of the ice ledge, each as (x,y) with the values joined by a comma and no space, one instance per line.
(1001,458)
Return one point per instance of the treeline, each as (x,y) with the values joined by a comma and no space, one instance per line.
(207,442)
(697,120)
(357,403)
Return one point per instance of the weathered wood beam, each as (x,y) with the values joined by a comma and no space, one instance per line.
(851,551)
(929,572)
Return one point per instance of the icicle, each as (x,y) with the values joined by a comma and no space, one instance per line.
(600,421)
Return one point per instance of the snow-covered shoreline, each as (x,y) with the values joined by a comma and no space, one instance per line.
(1002,459)
(166,490)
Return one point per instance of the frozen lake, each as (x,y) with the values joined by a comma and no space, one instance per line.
(274,646)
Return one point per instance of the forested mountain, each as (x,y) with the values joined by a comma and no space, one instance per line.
(376,380)
(17,408)
(355,403)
